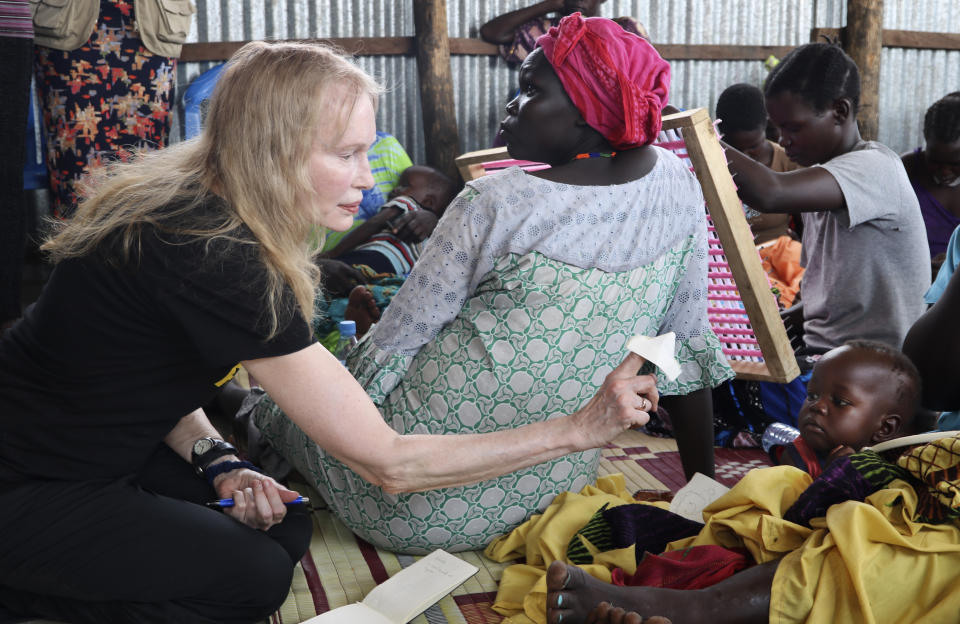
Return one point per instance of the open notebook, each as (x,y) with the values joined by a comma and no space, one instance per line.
(406,594)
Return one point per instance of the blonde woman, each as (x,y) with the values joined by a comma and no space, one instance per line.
(175,269)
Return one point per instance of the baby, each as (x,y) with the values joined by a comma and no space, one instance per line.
(368,264)
(390,241)
(859,394)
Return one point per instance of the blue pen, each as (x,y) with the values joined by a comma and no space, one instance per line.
(228,502)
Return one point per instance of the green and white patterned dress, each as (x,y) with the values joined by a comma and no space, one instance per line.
(520,305)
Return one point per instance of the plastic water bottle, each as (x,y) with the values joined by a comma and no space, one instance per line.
(778,434)
(348,340)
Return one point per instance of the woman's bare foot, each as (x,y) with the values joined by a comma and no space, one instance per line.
(605,613)
(362,309)
(575,597)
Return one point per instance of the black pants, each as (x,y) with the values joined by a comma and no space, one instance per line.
(16,67)
(141,550)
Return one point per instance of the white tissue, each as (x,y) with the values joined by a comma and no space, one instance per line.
(659,350)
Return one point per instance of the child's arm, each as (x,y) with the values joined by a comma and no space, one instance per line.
(500,30)
(415,226)
(363,232)
(813,189)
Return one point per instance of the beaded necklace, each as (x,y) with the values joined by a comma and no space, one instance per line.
(594,155)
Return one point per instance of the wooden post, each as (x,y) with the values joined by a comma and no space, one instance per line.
(863,40)
(436,85)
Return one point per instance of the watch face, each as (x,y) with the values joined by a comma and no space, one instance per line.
(202,445)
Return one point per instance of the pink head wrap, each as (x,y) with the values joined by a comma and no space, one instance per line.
(617,80)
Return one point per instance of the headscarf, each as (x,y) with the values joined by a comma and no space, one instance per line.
(616,79)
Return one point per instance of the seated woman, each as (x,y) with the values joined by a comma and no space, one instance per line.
(528,290)
(934,173)
(849,290)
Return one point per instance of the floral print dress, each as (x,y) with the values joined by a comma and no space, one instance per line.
(101,101)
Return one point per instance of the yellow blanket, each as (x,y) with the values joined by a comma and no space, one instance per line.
(865,562)
(522,594)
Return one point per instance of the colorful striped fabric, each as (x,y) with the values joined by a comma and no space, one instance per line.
(15,19)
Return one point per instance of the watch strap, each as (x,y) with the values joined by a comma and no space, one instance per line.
(216,470)
(220,448)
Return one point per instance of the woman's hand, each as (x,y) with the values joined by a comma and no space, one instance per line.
(258,500)
(624,400)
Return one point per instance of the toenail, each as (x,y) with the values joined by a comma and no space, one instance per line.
(559,600)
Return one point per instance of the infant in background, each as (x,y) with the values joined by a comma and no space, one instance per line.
(390,241)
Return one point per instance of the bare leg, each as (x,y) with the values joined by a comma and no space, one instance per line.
(692,418)
(573,597)
(362,309)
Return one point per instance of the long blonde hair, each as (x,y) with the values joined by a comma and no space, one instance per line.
(266,110)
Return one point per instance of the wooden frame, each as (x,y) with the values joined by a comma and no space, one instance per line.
(470,165)
(405,46)
(710,165)
(913,39)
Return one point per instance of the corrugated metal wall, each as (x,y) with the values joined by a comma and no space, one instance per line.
(911,80)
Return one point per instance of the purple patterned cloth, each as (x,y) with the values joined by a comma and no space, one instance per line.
(854,477)
(647,527)
(939,221)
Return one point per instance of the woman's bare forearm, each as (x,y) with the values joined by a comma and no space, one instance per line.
(501,29)
(191,428)
(333,410)
(812,189)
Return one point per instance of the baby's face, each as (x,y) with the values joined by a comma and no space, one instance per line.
(849,393)
(415,182)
